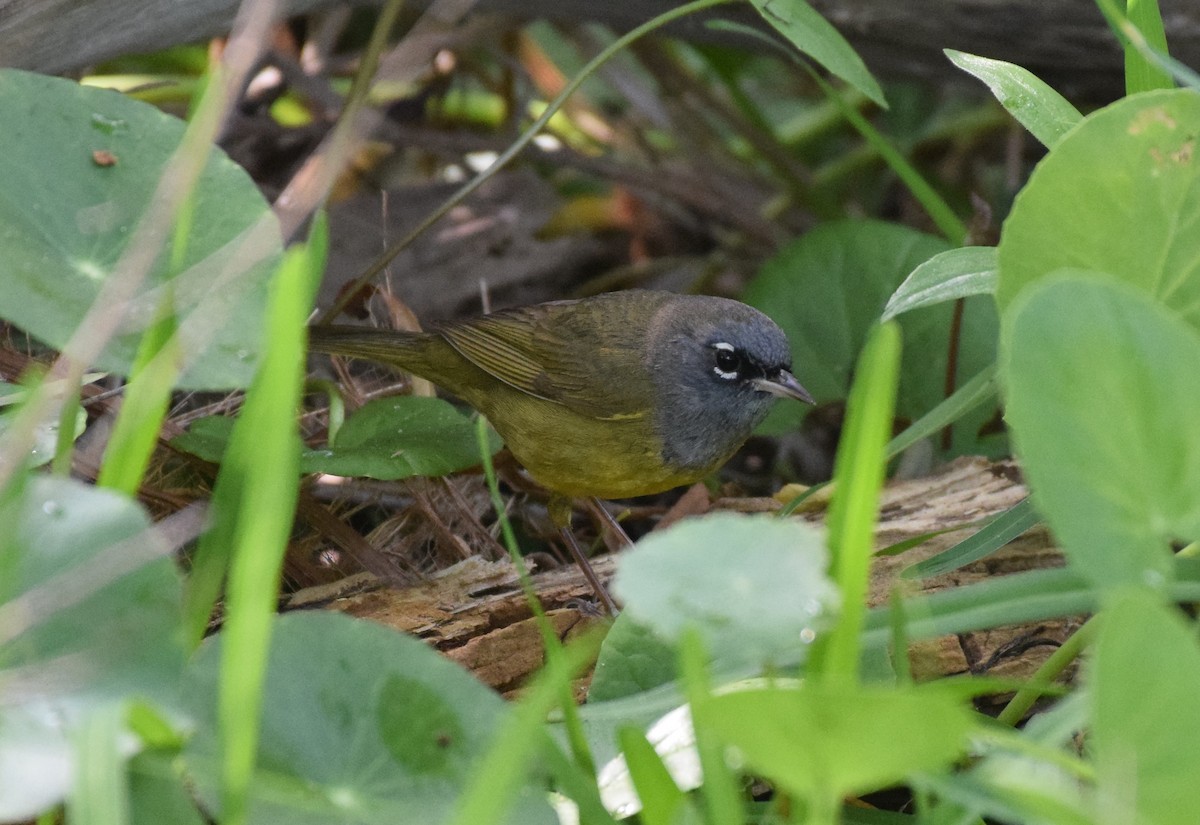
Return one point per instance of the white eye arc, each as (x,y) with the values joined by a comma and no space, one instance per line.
(728,361)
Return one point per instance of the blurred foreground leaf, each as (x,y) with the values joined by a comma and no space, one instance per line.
(89,621)
(361,724)
(1102,397)
(80,169)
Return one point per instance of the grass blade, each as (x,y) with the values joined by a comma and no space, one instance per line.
(1141,74)
(970,395)
(1032,596)
(858,478)
(720,791)
(147,397)
(499,770)
(659,795)
(1132,37)
(253,506)
(995,534)
(99,792)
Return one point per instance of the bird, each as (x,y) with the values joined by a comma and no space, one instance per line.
(612,396)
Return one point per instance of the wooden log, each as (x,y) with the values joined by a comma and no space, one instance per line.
(476,614)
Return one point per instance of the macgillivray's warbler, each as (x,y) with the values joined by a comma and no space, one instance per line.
(622,394)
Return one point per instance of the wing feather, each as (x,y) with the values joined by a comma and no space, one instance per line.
(587,361)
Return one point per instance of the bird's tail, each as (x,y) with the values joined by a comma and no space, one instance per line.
(406,350)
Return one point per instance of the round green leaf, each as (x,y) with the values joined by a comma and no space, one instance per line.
(157,795)
(67,214)
(91,613)
(632,660)
(755,587)
(387,439)
(1144,674)
(828,288)
(826,742)
(45,435)
(1119,194)
(393,438)
(361,724)
(206,438)
(65,553)
(1103,388)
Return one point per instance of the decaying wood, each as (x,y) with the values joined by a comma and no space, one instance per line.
(475,612)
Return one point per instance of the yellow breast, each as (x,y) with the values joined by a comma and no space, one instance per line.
(579,456)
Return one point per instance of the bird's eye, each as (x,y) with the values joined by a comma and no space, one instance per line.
(728,361)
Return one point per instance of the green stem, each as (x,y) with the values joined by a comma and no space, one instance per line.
(64,446)
(337,406)
(947,222)
(513,150)
(1068,652)
(553,646)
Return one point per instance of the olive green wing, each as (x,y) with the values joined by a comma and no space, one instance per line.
(564,352)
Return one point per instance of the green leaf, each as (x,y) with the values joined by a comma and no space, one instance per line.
(754,587)
(1008,789)
(393,438)
(389,438)
(66,220)
(360,724)
(632,660)
(828,288)
(834,741)
(157,795)
(1120,194)
(89,619)
(1102,397)
(812,34)
(955,273)
(86,577)
(1044,112)
(206,438)
(1144,674)
(45,435)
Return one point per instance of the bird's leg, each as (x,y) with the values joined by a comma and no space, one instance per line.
(560,514)
(596,507)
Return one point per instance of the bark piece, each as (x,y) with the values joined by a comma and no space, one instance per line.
(476,613)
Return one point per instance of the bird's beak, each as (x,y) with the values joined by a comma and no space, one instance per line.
(784,385)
